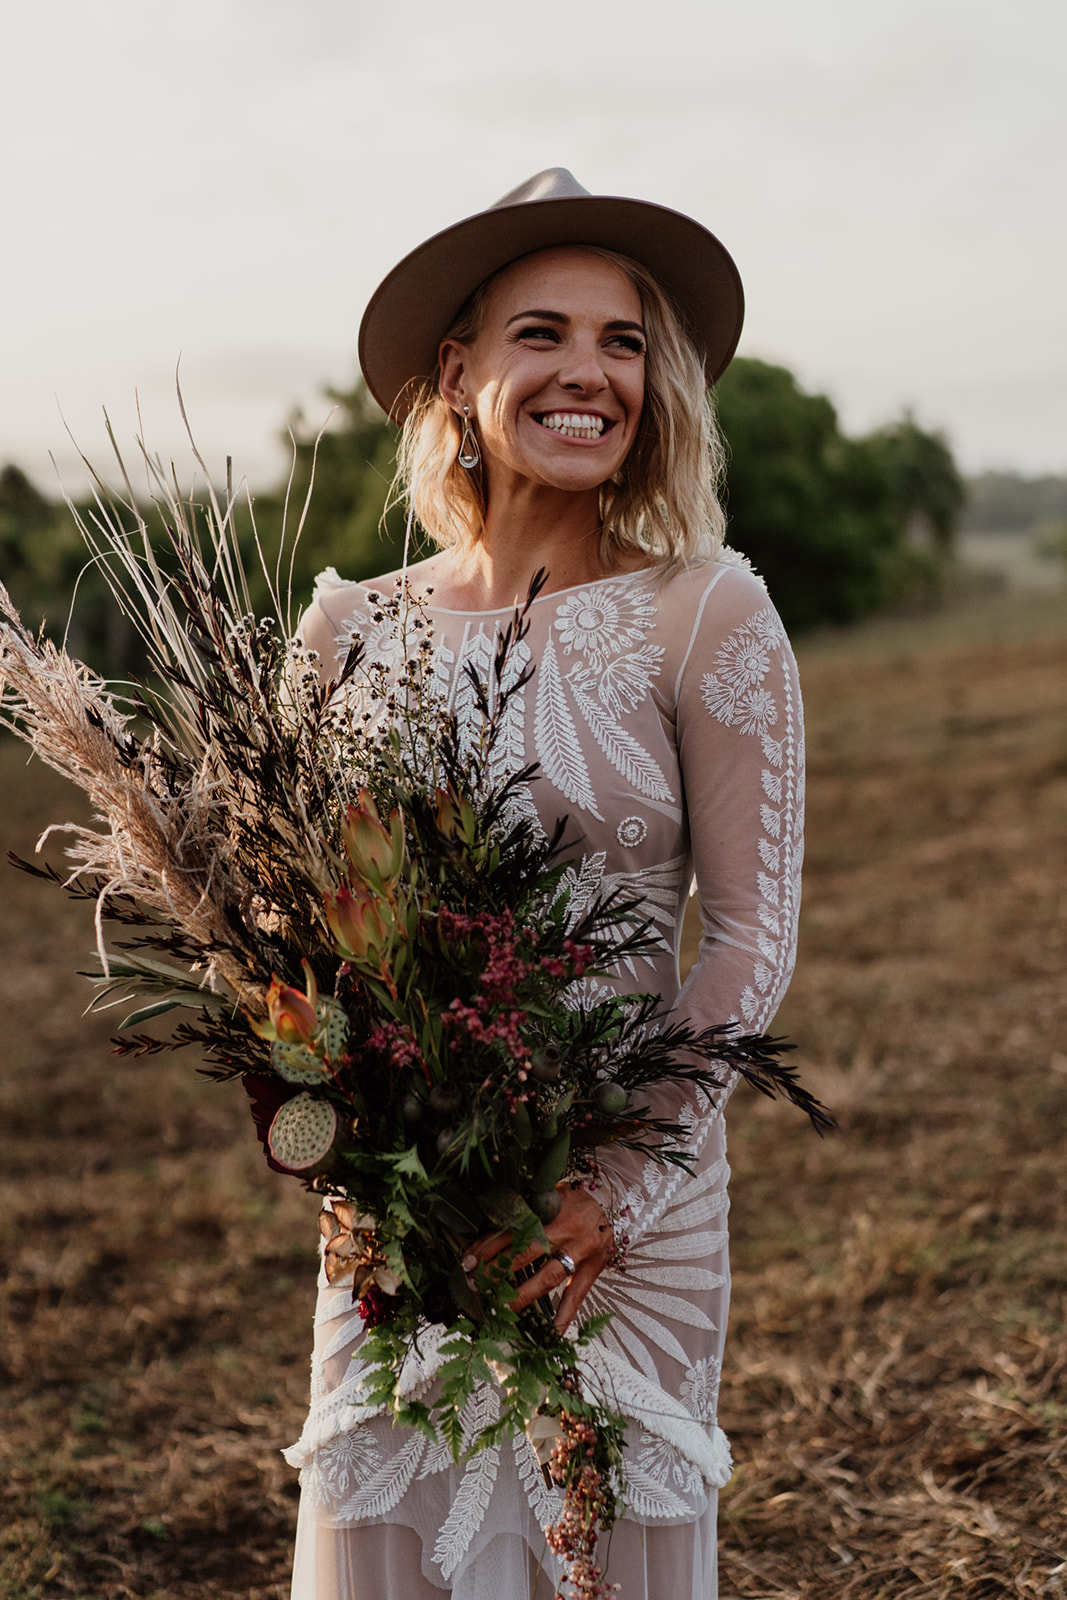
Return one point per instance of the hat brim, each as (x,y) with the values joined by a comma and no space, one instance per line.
(411,310)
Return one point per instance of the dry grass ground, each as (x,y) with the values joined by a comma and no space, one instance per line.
(897,1387)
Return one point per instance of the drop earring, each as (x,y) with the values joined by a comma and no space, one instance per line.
(469,454)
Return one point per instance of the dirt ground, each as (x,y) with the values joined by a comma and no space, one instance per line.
(896,1391)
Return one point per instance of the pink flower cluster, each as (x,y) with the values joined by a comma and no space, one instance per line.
(578,957)
(588,1505)
(502,1029)
(396,1040)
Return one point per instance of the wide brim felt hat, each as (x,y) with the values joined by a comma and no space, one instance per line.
(412,309)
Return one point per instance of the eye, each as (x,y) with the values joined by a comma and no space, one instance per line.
(539,332)
(631,343)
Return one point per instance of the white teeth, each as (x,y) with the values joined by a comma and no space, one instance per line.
(573,424)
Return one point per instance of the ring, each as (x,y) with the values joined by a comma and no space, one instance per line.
(566,1261)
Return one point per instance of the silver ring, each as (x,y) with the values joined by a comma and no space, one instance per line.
(565,1261)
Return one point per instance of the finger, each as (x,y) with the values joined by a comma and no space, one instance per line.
(533,1252)
(579,1286)
(485,1249)
(552,1275)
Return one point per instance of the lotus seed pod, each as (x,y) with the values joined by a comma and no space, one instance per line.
(332,1032)
(546,1064)
(611,1099)
(546,1205)
(296,1063)
(302,1136)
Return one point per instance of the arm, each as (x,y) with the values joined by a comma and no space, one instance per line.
(740,745)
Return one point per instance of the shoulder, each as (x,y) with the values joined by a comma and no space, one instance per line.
(339,608)
(723,591)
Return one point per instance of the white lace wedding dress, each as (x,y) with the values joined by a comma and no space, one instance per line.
(666,721)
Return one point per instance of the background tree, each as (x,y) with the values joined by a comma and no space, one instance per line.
(832,523)
(353,464)
(822,517)
(925,484)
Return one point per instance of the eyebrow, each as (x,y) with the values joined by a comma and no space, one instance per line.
(560,317)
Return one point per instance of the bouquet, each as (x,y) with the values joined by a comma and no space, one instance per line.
(336,889)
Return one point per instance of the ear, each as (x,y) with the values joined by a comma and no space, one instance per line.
(452,356)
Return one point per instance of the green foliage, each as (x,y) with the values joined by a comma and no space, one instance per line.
(838,527)
(923,480)
(826,519)
(353,463)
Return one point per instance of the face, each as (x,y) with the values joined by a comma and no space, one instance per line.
(555,379)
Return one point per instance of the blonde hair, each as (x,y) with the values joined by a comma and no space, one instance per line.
(664,499)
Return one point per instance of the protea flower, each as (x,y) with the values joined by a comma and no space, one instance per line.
(292,1015)
(375,851)
(307,1031)
(356,920)
(456,817)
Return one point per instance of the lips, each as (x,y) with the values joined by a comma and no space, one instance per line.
(574,424)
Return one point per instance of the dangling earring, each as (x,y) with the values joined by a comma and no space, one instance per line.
(469,454)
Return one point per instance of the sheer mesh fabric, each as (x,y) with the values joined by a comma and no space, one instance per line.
(665,720)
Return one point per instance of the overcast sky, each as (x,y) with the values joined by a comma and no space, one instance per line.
(227,180)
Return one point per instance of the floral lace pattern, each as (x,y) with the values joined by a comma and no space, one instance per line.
(643,692)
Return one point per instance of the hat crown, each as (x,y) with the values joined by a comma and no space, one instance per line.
(414,306)
(555,183)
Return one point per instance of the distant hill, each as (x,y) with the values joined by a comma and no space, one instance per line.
(999,501)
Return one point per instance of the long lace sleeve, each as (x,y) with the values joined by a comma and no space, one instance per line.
(739,733)
(741,745)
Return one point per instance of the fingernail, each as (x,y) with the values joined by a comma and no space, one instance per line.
(469,1263)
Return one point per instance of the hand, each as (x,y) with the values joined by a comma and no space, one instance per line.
(581,1230)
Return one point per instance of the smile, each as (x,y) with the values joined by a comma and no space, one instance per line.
(573,424)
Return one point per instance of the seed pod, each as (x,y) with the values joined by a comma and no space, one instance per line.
(547,1204)
(411,1108)
(445,1140)
(445,1098)
(303,1134)
(611,1098)
(546,1064)
(296,1063)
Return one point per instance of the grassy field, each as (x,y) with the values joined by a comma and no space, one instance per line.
(897,1383)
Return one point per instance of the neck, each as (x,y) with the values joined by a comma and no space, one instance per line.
(554,531)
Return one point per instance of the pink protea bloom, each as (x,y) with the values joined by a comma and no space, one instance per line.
(291,1014)
(456,817)
(357,923)
(375,851)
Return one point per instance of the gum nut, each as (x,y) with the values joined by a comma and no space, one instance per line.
(611,1098)
(445,1097)
(445,1140)
(411,1108)
(546,1064)
(546,1205)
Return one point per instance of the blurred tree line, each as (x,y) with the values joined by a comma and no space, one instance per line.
(1006,502)
(839,527)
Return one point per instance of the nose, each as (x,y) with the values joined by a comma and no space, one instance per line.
(582,368)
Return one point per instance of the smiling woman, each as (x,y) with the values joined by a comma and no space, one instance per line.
(549,359)
(555,394)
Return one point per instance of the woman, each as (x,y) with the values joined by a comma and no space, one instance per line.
(550,358)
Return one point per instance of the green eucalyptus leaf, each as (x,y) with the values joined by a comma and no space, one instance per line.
(553,1163)
(506,1209)
(146,1013)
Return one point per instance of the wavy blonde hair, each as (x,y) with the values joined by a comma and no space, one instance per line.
(663,501)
